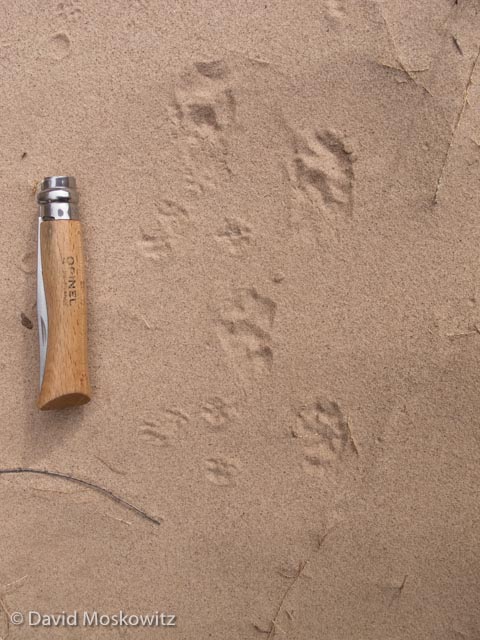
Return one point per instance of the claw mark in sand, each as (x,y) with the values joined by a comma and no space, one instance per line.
(397,591)
(457,45)
(153,434)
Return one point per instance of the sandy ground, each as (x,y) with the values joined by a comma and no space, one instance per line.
(280,204)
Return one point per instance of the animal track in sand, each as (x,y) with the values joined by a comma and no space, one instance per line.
(221,471)
(140,5)
(28,262)
(176,418)
(218,414)
(58,46)
(202,113)
(204,101)
(69,10)
(244,329)
(236,235)
(215,69)
(154,434)
(335,9)
(326,435)
(322,171)
(160,432)
(164,231)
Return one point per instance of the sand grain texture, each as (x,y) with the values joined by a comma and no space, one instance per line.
(280,206)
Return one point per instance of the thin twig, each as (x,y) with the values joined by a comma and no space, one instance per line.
(5,610)
(273,624)
(457,122)
(110,466)
(6,588)
(301,568)
(85,483)
(402,68)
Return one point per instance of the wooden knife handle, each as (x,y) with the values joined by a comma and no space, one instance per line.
(65,381)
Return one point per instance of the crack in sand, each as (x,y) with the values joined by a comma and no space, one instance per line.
(457,123)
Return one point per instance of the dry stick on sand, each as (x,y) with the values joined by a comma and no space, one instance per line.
(457,122)
(5,610)
(3,592)
(301,568)
(85,483)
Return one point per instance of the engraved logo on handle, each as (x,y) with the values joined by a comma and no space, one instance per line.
(70,280)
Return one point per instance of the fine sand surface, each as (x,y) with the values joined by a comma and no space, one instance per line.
(281,210)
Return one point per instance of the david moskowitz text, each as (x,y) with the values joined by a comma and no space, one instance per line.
(97,619)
